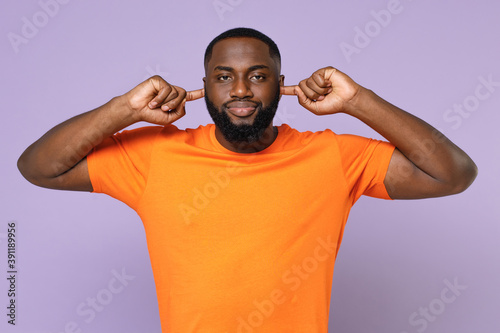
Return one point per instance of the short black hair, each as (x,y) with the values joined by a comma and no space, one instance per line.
(274,52)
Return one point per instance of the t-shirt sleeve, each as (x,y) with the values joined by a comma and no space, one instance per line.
(119,166)
(365,162)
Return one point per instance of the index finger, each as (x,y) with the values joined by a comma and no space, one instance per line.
(195,94)
(288,90)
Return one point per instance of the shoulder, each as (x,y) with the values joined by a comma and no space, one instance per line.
(144,133)
(292,134)
(151,132)
(327,137)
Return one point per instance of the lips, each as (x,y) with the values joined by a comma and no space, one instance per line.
(241,108)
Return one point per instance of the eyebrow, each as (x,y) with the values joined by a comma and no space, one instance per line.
(230,69)
(223,68)
(252,68)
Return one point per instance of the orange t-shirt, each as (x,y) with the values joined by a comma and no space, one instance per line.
(241,242)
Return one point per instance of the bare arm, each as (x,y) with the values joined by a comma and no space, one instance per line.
(58,159)
(425,163)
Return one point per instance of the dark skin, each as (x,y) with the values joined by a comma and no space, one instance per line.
(241,69)
(425,163)
(58,159)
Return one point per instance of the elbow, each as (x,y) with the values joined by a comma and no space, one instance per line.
(23,166)
(465,176)
(29,170)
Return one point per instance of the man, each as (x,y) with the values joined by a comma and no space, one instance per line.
(244,219)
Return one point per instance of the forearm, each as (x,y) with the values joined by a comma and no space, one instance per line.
(422,144)
(65,145)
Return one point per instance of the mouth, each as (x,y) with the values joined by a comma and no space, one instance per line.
(241,109)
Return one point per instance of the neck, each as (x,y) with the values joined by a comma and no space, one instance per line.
(265,141)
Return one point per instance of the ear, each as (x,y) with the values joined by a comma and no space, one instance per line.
(282,82)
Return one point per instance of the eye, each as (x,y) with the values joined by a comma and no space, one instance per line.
(223,77)
(258,77)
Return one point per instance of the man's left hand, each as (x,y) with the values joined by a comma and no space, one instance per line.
(326,91)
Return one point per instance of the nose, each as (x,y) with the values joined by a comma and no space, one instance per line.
(241,89)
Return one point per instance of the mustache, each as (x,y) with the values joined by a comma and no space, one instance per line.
(256,104)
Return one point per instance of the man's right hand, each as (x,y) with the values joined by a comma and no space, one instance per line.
(158,102)
(58,159)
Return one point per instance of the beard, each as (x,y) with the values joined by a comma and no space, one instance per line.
(243,133)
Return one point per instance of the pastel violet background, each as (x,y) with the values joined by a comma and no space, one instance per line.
(397,258)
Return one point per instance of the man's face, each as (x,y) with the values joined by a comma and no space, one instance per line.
(242,88)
